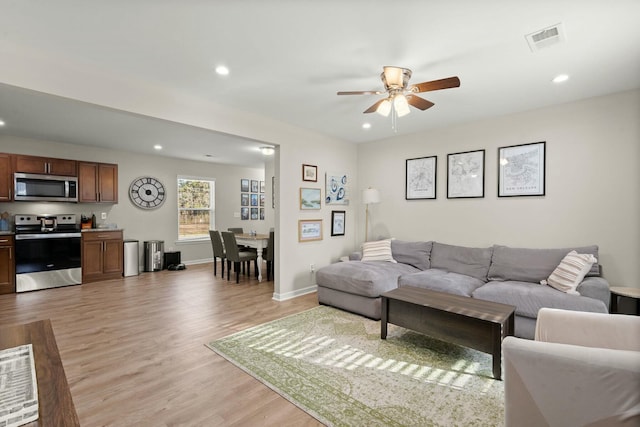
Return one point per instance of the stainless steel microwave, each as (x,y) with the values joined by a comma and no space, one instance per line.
(45,188)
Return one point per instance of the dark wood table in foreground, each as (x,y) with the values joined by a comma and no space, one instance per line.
(55,406)
(465,321)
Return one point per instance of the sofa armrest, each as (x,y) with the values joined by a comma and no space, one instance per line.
(595,287)
(555,384)
(612,331)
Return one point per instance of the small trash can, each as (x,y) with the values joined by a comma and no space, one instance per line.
(131,258)
(153,255)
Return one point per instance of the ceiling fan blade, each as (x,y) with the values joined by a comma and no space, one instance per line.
(435,85)
(374,107)
(361,92)
(419,103)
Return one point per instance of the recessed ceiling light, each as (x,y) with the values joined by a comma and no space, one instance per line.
(222,70)
(366,126)
(157,147)
(560,78)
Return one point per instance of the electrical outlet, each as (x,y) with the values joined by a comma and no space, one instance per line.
(236,214)
(104,215)
(312,268)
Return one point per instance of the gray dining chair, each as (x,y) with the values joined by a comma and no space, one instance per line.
(236,256)
(268,255)
(218,251)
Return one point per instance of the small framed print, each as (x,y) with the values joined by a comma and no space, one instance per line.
(310,198)
(262,200)
(255,186)
(465,175)
(262,186)
(244,214)
(309,230)
(244,199)
(420,176)
(254,200)
(310,173)
(262,213)
(337,223)
(521,170)
(254,213)
(244,185)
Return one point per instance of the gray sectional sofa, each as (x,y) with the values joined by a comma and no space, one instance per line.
(498,273)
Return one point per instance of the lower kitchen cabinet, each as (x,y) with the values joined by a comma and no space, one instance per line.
(102,255)
(7,265)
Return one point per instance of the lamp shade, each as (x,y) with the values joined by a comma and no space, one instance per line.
(370,195)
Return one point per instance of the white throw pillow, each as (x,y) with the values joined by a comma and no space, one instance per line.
(569,274)
(377,251)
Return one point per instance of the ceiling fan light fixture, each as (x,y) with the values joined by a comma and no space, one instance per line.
(396,77)
(384,108)
(401,105)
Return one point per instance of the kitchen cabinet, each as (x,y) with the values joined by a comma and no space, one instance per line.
(7,265)
(6,178)
(102,255)
(97,182)
(45,165)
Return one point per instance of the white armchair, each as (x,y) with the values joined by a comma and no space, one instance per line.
(582,369)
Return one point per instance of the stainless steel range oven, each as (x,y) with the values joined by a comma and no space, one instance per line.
(47,251)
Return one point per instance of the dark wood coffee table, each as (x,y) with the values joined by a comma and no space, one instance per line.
(465,321)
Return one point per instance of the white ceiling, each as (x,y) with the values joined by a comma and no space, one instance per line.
(288,59)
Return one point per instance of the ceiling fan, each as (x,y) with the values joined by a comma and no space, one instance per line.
(400,95)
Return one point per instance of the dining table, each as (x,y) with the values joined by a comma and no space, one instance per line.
(257,241)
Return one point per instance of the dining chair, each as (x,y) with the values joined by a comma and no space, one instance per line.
(218,251)
(241,248)
(236,230)
(236,256)
(269,255)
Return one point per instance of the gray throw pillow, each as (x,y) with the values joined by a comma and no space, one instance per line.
(416,254)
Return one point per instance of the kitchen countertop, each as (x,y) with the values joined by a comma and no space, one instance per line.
(91,230)
(6,233)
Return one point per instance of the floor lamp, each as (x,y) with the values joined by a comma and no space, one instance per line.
(369,196)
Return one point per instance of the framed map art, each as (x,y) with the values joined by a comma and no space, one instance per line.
(421,178)
(521,170)
(465,175)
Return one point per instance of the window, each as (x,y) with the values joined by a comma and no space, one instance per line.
(196,208)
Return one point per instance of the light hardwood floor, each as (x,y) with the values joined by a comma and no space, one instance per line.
(133,348)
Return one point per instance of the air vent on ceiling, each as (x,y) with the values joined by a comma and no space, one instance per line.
(546,37)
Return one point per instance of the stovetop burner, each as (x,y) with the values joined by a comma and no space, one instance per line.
(31,223)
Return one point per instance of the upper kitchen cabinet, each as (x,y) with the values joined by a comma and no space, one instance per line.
(97,182)
(5,178)
(45,165)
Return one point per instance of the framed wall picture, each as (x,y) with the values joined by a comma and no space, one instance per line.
(465,175)
(521,170)
(336,189)
(255,186)
(420,178)
(262,213)
(273,192)
(262,186)
(254,213)
(244,199)
(337,223)
(310,173)
(244,185)
(310,198)
(254,200)
(309,230)
(244,214)
(262,199)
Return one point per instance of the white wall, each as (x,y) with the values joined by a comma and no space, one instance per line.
(592,192)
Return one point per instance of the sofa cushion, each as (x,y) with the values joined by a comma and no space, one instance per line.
(472,262)
(416,254)
(531,265)
(443,281)
(377,251)
(569,273)
(531,297)
(365,278)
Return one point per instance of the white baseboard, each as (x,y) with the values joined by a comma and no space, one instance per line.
(198,261)
(294,294)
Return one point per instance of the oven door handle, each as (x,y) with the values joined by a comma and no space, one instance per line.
(46,236)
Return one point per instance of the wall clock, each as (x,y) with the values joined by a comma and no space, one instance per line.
(147,192)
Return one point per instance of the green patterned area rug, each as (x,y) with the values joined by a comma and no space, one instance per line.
(333,365)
